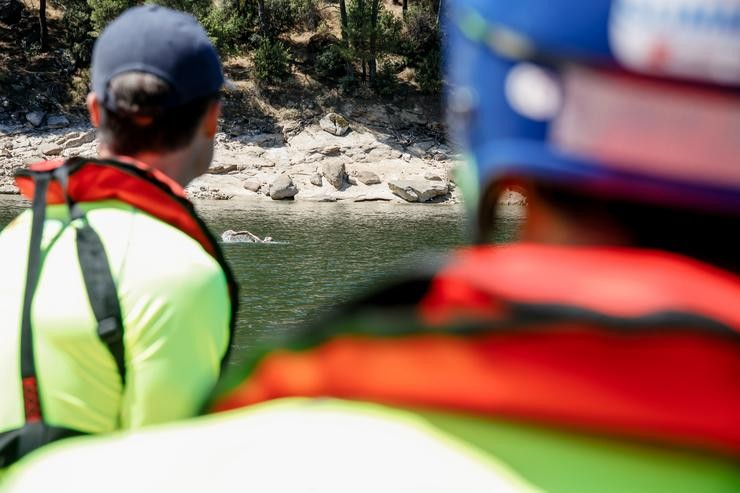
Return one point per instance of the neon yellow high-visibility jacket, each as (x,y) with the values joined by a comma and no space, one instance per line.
(466,382)
(174,308)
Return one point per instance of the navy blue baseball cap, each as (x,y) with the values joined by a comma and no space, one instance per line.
(160,41)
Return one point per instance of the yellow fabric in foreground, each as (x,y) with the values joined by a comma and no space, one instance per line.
(175,308)
(331,445)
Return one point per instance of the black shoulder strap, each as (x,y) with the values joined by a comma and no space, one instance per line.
(32,403)
(101,288)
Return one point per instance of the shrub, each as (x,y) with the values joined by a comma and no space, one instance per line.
(104,11)
(307,13)
(422,47)
(226,28)
(348,84)
(281,15)
(331,62)
(428,73)
(385,83)
(271,61)
(77,36)
(420,34)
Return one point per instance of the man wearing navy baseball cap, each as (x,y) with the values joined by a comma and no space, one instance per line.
(118,307)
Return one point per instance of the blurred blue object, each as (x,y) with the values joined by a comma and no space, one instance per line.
(636,99)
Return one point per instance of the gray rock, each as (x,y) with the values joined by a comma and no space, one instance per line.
(207,193)
(334,172)
(421,148)
(431,176)
(50,149)
(222,169)
(282,188)
(57,121)
(35,118)
(81,139)
(352,180)
(9,190)
(512,197)
(316,179)
(367,177)
(330,151)
(382,152)
(263,140)
(335,124)
(413,117)
(321,198)
(371,198)
(252,186)
(417,190)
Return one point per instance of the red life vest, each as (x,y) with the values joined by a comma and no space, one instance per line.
(88,180)
(624,342)
(136,184)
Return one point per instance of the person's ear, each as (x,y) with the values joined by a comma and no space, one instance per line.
(93,108)
(210,120)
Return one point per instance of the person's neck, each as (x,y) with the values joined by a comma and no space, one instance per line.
(177,165)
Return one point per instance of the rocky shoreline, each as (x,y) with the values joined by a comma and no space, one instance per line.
(333,160)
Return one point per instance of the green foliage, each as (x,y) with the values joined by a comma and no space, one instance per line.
(199,8)
(331,62)
(104,11)
(271,62)
(391,43)
(77,35)
(389,32)
(281,14)
(307,13)
(385,83)
(386,33)
(421,46)
(348,84)
(227,28)
(429,73)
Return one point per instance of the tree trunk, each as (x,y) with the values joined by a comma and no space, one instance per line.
(405,6)
(264,22)
(44,31)
(345,37)
(372,64)
(343,17)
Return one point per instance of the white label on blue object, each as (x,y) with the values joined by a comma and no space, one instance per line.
(697,39)
(533,91)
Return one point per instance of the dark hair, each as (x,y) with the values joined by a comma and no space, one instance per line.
(138,94)
(703,235)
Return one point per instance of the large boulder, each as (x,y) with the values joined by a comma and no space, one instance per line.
(334,173)
(57,121)
(252,185)
(221,169)
(316,179)
(282,188)
(418,190)
(367,177)
(77,140)
(35,118)
(50,149)
(335,124)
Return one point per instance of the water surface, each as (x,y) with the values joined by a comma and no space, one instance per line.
(325,253)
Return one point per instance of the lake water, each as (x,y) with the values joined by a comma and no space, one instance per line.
(324,253)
